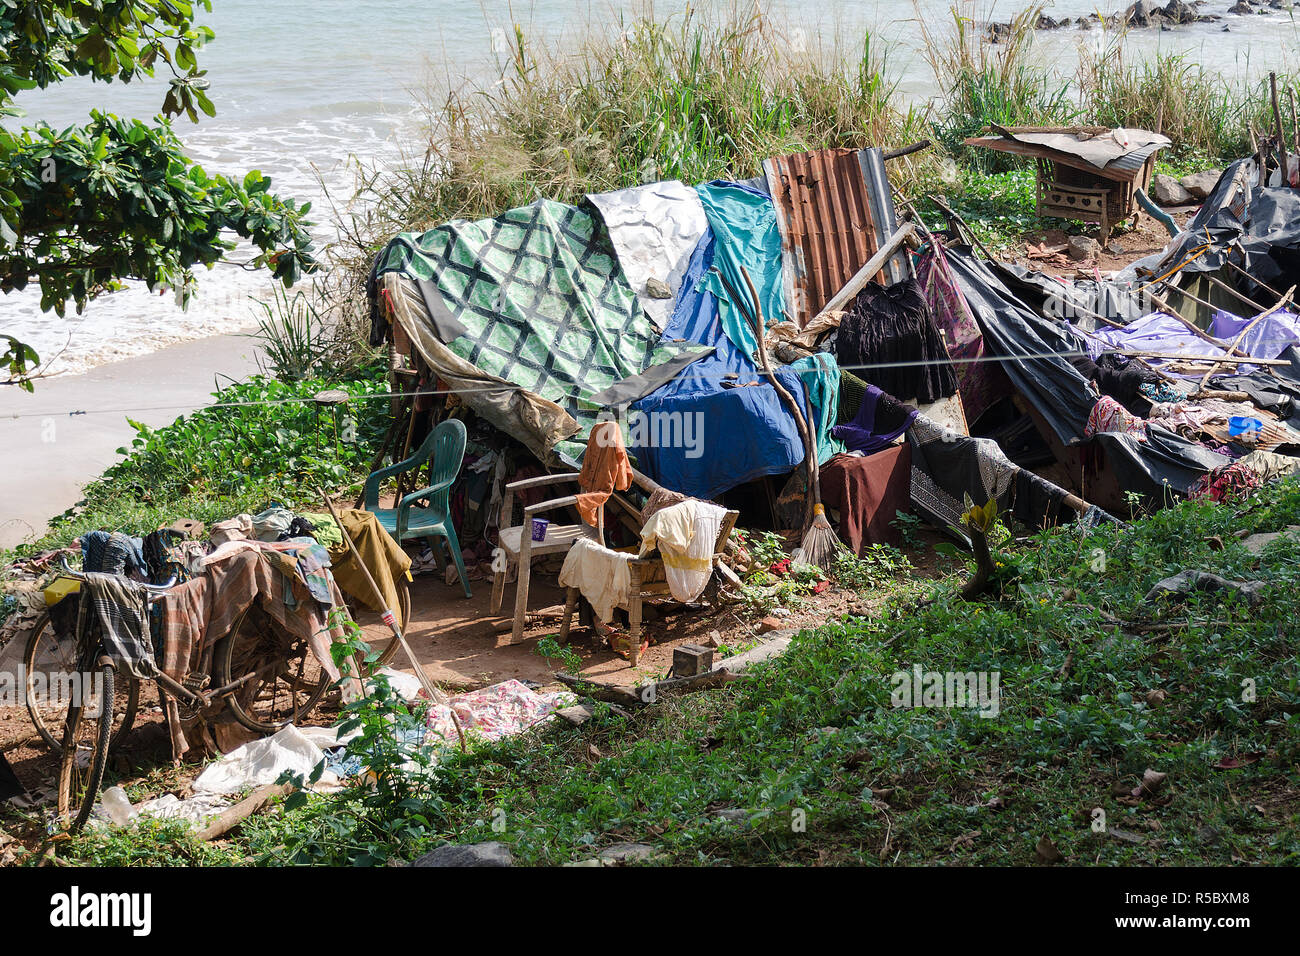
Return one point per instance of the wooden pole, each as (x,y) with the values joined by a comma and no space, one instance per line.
(1237,342)
(865,274)
(391,620)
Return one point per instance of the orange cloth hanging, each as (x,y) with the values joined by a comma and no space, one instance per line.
(605,469)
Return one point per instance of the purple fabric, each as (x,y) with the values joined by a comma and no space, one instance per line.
(1161,333)
(1269,339)
(861,434)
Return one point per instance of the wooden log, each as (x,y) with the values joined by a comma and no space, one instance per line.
(1238,340)
(598,691)
(1203,359)
(231,817)
(905,150)
(866,273)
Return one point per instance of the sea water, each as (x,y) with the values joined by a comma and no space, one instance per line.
(304,88)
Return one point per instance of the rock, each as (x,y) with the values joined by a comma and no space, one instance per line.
(1115,247)
(713,640)
(589,862)
(658,289)
(736,816)
(1142,13)
(1168,191)
(1201,184)
(1258,542)
(1082,247)
(491,853)
(1125,836)
(626,852)
(1241,8)
(769,624)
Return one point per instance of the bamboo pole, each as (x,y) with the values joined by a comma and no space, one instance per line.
(391,620)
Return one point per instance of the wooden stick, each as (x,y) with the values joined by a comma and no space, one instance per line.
(866,273)
(1202,359)
(391,620)
(1220,284)
(231,817)
(1284,162)
(905,151)
(956,217)
(1237,342)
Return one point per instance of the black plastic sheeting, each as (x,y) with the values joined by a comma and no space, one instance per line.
(1036,354)
(1076,300)
(1034,351)
(1164,461)
(1259,232)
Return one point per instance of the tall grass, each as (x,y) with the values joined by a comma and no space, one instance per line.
(695,97)
(1202,111)
(982,83)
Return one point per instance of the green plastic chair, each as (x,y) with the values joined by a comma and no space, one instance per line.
(445,448)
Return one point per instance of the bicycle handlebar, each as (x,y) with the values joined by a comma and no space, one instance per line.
(80,576)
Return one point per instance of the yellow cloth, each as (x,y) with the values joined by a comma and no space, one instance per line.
(685,535)
(387,562)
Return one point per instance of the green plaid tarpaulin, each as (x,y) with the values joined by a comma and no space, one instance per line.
(536,297)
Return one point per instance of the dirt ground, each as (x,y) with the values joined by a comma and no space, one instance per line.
(1045,249)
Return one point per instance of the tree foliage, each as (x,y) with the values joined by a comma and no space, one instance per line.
(88,206)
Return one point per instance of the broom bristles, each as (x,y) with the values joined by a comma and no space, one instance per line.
(820,545)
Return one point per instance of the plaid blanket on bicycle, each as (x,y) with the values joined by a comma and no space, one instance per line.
(116,611)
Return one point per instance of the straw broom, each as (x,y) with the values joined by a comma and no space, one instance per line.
(820,545)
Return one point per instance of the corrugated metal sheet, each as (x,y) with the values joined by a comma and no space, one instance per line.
(834,210)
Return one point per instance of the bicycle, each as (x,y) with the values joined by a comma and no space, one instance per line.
(275,686)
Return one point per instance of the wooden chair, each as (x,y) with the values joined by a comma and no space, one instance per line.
(444,449)
(519,547)
(650,580)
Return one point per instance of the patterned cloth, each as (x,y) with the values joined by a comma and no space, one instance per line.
(981,383)
(115,612)
(114,553)
(947,465)
(536,297)
(1109,415)
(201,611)
(494,712)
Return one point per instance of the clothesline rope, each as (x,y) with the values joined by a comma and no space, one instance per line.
(387,396)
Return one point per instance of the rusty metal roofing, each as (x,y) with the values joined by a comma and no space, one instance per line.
(834,210)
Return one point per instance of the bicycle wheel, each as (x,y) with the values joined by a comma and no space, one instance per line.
(281,678)
(86,736)
(50,669)
(404,618)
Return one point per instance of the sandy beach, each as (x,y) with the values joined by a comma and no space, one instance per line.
(67,432)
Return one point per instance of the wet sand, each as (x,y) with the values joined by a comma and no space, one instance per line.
(48,454)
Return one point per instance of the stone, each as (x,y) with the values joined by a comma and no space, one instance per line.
(1115,247)
(658,289)
(491,853)
(769,624)
(714,639)
(1201,184)
(1082,247)
(1258,542)
(1168,191)
(626,853)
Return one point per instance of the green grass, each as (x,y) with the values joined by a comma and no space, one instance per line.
(819,766)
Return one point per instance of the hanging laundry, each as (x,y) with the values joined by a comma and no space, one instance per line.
(600,574)
(822,376)
(888,337)
(981,383)
(879,421)
(685,535)
(605,469)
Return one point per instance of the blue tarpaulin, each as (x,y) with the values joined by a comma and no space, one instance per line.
(746,431)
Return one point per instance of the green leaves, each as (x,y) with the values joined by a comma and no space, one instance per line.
(87,206)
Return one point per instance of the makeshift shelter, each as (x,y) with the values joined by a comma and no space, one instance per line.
(1090,174)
